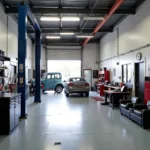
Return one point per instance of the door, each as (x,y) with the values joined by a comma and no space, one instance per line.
(139,80)
(49,82)
(12,115)
(17,110)
(88,76)
(12,71)
(29,74)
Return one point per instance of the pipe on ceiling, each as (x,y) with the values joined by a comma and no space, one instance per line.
(101,23)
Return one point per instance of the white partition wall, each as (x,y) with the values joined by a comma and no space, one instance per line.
(129,38)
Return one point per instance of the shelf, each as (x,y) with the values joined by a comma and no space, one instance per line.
(3,68)
(3,77)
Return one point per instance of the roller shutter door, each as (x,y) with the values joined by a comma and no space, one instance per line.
(63,54)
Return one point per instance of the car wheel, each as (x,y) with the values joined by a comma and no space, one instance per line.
(43,91)
(87,94)
(67,94)
(82,94)
(59,89)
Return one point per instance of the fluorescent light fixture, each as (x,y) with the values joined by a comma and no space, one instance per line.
(84,36)
(70,19)
(66,33)
(50,19)
(93,18)
(53,37)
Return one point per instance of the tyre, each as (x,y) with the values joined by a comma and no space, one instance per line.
(43,91)
(59,89)
(82,94)
(87,94)
(67,94)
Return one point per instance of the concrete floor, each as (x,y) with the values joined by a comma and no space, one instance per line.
(78,123)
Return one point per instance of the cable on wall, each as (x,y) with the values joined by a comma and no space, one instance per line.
(137,49)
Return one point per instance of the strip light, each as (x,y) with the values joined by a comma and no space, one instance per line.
(84,36)
(58,19)
(50,19)
(70,19)
(66,33)
(53,37)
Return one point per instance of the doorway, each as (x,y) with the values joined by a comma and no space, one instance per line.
(139,79)
(87,73)
(68,68)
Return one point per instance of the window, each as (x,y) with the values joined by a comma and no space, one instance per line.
(53,76)
(126,73)
(57,76)
(68,68)
(95,74)
(49,76)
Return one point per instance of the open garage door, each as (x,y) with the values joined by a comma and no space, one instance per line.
(64,54)
(68,62)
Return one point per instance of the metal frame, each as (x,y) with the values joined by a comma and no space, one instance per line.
(51,30)
(73,11)
(113,9)
(25,12)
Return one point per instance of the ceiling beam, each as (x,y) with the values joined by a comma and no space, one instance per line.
(62,44)
(4,3)
(65,42)
(72,11)
(51,30)
(138,3)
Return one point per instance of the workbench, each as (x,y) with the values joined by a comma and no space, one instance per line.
(111,95)
(112,87)
(9,112)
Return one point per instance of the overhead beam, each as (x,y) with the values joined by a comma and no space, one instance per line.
(138,3)
(113,9)
(72,11)
(4,3)
(51,30)
(65,42)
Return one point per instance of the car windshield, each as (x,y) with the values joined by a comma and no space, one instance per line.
(76,79)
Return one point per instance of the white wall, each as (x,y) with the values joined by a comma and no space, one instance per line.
(12,47)
(3,30)
(43,58)
(90,57)
(29,53)
(9,38)
(133,33)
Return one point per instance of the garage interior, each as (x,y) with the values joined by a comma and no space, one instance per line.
(48,48)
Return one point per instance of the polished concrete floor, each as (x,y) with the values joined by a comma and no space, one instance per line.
(78,123)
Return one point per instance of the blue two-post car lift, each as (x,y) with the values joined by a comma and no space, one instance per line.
(25,13)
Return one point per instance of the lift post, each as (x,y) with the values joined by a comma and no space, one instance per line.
(22,50)
(24,13)
(37,66)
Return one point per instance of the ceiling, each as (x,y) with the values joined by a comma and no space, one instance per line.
(80,8)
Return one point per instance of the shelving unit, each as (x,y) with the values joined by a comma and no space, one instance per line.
(102,76)
(3,69)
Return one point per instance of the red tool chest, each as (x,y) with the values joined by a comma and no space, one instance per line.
(147,90)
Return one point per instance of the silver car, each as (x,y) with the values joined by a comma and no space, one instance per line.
(76,85)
